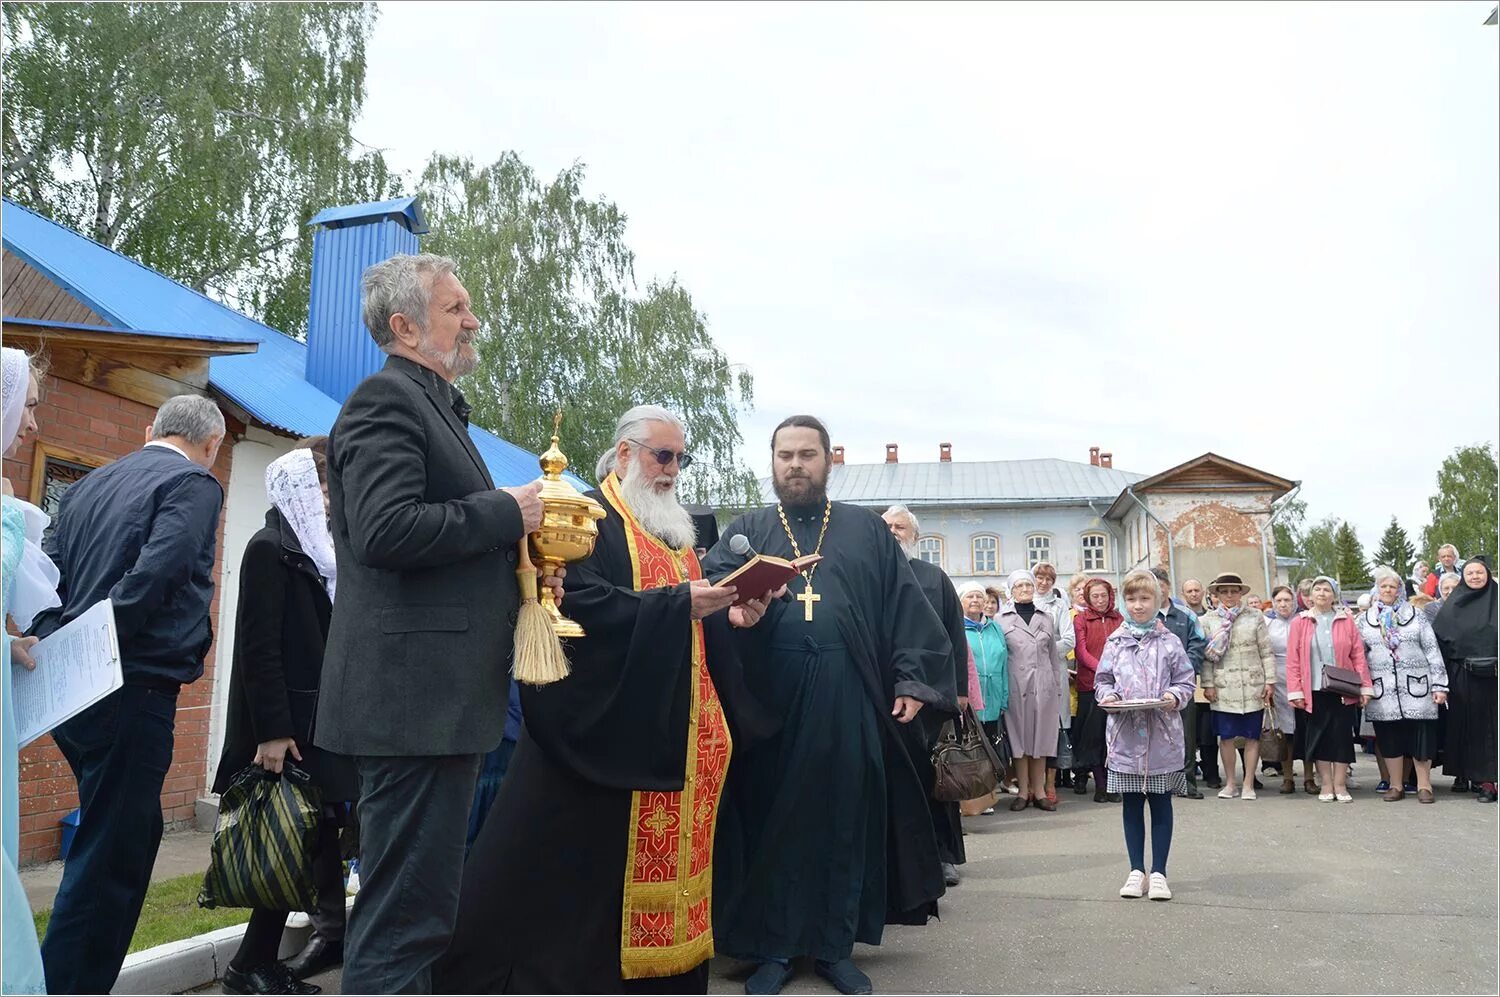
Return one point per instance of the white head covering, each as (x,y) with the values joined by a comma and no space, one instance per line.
(293,488)
(1020,575)
(36,576)
(968,587)
(15,383)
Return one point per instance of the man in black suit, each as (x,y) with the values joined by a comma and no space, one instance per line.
(140,532)
(415,677)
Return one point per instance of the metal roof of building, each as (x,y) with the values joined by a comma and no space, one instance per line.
(270,384)
(404,209)
(974,483)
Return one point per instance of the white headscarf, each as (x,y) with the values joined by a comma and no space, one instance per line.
(1020,575)
(293,488)
(968,587)
(36,576)
(15,383)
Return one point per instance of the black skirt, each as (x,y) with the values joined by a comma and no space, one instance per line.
(1407,738)
(1326,734)
(1088,734)
(1470,750)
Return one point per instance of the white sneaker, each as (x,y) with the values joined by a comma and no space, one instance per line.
(1135,885)
(1248,794)
(1343,797)
(1159,888)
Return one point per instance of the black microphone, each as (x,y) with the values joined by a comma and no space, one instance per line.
(741,546)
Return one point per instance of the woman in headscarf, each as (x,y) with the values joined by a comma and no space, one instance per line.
(1466,635)
(287,582)
(1322,638)
(987,657)
(1091,629)
(30,586)
(1032,717)
(1278,627)
(1239,678)
(1409,682)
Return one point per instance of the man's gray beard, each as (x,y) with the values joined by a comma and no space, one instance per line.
(659,512)
(454,363)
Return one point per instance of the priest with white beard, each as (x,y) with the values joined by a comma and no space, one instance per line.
(594,870)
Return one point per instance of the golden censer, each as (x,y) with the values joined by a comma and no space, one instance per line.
(567,532)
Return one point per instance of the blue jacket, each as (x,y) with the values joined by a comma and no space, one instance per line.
(1185,626)
(141,531)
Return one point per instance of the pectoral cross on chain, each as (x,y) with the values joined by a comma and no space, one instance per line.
(807,598)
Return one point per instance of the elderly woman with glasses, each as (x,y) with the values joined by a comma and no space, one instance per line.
(1409,682)
(1032,715)
(1322,639)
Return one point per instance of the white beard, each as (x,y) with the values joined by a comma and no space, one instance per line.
(910,550)
(659,512)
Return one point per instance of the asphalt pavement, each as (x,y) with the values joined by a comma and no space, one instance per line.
(1282,894)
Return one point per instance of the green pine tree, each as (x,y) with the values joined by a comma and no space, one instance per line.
(1396,549)
(1350,567)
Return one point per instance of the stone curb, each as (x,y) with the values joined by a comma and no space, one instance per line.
(196,962)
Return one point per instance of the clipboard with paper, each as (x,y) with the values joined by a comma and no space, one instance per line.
(76,667)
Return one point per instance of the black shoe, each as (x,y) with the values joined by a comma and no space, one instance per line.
(1081,785)
(1258,784)
(1100,796)
(1192,792)
(846,977)
(1214,783)
(950,873)
(1114,797)
(1460,785)
(317,955)
(769,978)
(269,979)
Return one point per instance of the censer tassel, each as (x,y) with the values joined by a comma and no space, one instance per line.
(539,657)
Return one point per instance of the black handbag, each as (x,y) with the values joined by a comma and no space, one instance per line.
(1480,668)
(964,762)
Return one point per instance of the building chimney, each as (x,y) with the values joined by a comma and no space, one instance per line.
(340,352)
(1106,460)
(890,453)
(945,453)
(1094,456)
(838,455)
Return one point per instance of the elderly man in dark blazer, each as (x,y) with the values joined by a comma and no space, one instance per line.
(415,679)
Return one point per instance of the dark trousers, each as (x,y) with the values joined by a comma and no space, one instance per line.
(413,817)
(119,750)
(262,941)
(1208,743)
(1190,742)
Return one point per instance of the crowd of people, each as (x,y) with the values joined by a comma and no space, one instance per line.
(614,830)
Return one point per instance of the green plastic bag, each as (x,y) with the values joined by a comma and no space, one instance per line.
(263,844)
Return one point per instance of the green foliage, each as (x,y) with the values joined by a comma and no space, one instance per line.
(553,280)
(1464,505)
(196,138)
(1318,550)
(1288,529)
(1350,567)
(1396,550)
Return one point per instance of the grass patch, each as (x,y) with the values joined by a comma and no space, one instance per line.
(170,914)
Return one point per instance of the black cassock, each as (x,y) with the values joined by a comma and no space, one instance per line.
(541,903)
(825,833)
(943,598)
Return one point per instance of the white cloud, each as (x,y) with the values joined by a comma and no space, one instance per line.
(1269,231)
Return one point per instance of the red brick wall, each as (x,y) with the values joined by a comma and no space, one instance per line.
(94,422)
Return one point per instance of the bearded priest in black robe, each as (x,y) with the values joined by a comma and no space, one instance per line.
(594,870)
(825,834)
(943,598)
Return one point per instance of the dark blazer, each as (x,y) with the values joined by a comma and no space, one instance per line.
(418,658)
(142,531)
(281,626)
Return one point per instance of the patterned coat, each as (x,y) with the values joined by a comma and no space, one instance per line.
(1404,682)
(1148,667)
(1245,668)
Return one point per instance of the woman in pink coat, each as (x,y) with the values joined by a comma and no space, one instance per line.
(1319,639)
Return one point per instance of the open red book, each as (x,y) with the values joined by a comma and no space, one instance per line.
(764,573)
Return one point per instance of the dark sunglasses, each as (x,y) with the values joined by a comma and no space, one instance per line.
(665,457)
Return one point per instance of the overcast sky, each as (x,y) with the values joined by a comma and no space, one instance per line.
(1269,231)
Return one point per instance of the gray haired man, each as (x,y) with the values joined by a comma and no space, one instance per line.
(140,532)
(416,671)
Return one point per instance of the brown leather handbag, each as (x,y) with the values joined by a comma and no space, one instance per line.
(1344,681)
(964,762)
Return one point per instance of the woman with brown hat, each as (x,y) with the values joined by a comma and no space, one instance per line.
(1239,678)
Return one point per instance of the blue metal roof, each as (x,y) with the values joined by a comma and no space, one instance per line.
(109,329)
(406,210)
(269,384)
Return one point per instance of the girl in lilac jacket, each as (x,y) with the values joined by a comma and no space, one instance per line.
(1142,660)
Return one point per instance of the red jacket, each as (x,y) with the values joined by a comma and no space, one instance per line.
(1091,629)
(1348,652)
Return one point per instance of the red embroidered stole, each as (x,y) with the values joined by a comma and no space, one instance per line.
(666,925)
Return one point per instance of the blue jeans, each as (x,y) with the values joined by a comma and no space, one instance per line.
(119,749)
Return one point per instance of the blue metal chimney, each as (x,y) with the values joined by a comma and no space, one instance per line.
(340,352)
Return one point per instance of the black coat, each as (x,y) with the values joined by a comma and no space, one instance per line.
(281,626)
(418,659)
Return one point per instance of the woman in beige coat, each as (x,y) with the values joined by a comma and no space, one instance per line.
(1239,678)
